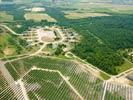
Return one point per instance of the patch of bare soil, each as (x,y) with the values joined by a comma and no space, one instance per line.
(9,51)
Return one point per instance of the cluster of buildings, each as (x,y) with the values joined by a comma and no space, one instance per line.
(40,34)
(46,35)
(53,37)
(35,9)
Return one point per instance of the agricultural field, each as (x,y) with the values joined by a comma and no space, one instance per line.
(39,17)
(106,8)
(5,17)
(79,15)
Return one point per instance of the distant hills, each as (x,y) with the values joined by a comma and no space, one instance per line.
(128,2)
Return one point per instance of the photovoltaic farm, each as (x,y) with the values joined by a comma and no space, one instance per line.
(51,78)
(66,49)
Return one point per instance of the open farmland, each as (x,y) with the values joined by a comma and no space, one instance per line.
(79,15)
(39,17)
(5,17)
(101,7)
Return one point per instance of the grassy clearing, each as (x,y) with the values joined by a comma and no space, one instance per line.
(104,76)
(127,65)
(6,47)
(39,17)
(5,17)
(11,45)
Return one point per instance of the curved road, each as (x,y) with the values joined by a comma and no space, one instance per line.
(9,29)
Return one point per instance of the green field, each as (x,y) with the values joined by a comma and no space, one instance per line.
(5,17)
(127,65)
(39,17)
(10,44)
(106,8)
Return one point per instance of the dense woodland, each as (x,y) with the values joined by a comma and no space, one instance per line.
(102,37)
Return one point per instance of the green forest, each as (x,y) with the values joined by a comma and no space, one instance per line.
(102,37)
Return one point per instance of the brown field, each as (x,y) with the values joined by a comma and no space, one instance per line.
(39,17)
(101,7)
